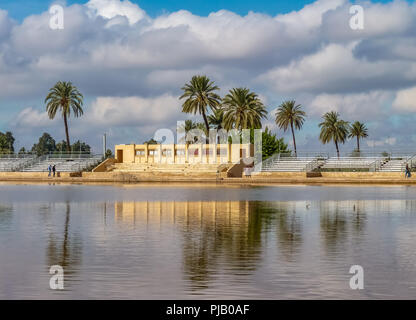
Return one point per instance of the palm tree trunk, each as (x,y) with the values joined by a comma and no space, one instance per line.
(336,146)
(358,144)
(206,125)
(68,146)
(293,136)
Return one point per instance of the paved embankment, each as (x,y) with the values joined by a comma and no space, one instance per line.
(386,178)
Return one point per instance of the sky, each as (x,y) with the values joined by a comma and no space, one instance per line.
(130,59)
(19,9)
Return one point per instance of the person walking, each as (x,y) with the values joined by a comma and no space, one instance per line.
(54,170)
(49,170)
(407,172)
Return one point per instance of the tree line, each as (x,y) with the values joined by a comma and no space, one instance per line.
(46,144)
(243,109)
(239,109)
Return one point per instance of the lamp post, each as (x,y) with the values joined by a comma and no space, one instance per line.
(104,144)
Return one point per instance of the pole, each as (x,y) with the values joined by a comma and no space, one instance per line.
(104,144)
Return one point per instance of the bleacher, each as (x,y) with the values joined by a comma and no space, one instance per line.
(396,165)
(14,163)
(63,164)
(171,169)
(287,164)
(299,164)
(350,163)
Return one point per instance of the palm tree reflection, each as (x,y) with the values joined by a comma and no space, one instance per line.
(336,217)
(333,225)
(289,229)
(228,236)
(65,249)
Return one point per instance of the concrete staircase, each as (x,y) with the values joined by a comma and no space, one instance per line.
(393,166)
(168,169)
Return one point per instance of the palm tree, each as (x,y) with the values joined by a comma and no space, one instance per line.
(243,110)
(64,96)
(290,113)
(187,127)
(200,94)
(358,130)
(216,121)
(333,129)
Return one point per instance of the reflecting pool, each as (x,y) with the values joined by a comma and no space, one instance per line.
(181,241)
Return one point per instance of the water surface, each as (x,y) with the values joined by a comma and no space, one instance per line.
(179,241)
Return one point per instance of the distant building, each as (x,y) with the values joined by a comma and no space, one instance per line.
(182,153)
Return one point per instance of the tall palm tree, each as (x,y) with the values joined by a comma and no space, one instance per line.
(63,97)
(290,114)
(333,129)
(243,110)
(200,95)
(359,131)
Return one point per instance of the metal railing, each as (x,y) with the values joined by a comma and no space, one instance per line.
(313,165)
(27,161)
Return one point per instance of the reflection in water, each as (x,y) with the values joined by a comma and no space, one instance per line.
(289,229)
(65,248)
(208,249)
(232,235)
(214,234)
(333,225)
(6,215)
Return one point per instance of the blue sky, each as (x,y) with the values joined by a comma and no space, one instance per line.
(130,60)
(19,9)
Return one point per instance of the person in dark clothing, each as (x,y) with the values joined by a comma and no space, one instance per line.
(407,174)
(53,170)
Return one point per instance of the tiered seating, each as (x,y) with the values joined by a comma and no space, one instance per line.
(353,163)
(393,166)
(287,164)
(13,164)
(175,169)
(63,164)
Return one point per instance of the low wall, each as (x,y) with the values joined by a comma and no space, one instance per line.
(31,175)
(103,166)
(333,175)
(263,178)
(279,175)
(363,175)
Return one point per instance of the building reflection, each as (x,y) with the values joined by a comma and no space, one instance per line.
(215,235)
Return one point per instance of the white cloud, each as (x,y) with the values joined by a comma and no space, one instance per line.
(110,9)
(134,111)
(335,69)
(405,100)
(363,106)
(383,142)
(32,118)
(310,16)
(132,66)
(5,24)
